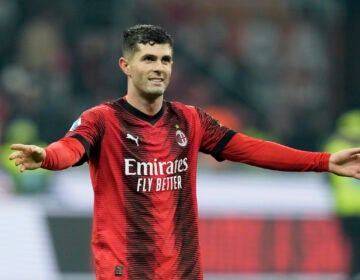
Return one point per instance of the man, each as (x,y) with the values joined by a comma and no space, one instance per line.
(142,153)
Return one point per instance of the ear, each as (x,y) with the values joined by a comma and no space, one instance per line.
(124,66)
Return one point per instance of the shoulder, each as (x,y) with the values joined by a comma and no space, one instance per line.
(194,113)
(176,105)
(94,115)
(100,109)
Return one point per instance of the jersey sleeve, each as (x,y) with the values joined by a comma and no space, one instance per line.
(63,154)
(88,129)
(271,155)
(214,135)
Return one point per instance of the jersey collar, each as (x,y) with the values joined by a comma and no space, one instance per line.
(151,119)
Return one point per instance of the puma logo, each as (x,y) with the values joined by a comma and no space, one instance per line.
(135,139)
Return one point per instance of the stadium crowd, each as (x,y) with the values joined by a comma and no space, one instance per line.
(269,68)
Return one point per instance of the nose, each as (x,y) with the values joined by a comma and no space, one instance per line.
(159,66)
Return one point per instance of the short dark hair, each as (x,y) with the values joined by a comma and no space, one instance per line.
(144,34)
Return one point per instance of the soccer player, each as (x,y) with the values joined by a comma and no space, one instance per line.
(142,153)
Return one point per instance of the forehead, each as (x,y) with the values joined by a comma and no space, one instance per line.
(155,49)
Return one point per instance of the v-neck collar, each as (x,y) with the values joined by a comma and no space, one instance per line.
(151,119)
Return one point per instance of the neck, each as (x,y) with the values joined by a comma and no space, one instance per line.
(148,105)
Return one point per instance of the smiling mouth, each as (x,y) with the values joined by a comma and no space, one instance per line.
(156,81)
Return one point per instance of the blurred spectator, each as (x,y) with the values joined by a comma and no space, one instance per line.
(23,131)
(41,46)
(38,80)
(346,191)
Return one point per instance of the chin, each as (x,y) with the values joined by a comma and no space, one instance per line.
(156,92)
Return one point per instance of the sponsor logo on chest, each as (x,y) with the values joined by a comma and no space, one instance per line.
(156,176)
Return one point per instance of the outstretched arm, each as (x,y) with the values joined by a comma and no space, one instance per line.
(270,155)
(59,155)
(346,163)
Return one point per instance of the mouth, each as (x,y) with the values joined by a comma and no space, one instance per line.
(156,81)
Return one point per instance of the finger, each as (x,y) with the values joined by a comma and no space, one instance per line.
(22,168)
(16,146)
(357,175)
(19,162)
(354,151)
(20,147)
(16,155)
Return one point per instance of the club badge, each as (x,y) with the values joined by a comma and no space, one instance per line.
(181,138)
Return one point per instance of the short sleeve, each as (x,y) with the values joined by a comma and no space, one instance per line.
(214,135)
(89,129)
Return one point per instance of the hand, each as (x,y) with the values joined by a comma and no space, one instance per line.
(346,163)
(29,157)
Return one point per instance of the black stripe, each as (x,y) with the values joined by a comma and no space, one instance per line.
(86,146)
(221,144)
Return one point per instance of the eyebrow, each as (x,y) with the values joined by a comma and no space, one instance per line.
(152,56)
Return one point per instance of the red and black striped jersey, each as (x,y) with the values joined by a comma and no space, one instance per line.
(143,171)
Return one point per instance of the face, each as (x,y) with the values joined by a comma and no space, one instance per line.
(149,69)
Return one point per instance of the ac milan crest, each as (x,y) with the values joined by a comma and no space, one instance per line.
(181,138)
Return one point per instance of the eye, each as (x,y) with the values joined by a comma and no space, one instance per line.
(149,58)
(166,59)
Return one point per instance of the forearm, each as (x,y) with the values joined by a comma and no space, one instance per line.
(63,153)
(270,155)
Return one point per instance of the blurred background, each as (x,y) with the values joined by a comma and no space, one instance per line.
(283,70)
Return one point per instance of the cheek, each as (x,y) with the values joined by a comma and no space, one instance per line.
(139,80)
(137,74)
